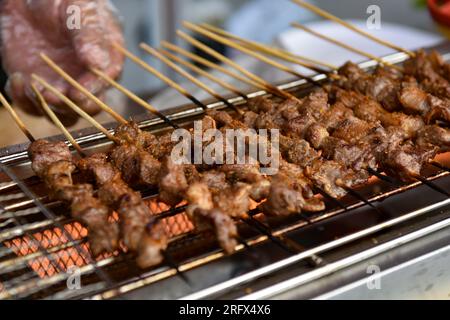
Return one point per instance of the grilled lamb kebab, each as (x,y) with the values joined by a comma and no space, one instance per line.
(431,71)
(294,120)
(396,93)
(140,232)
(345,138)
(145,159)
(53,163)
(303,156)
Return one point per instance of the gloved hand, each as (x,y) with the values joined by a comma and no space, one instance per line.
(29,27)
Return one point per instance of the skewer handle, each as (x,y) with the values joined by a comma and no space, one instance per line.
(16,118)
(82,89)
(57,122)
(74,107)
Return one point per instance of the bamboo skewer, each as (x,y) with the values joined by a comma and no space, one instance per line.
(73,106)
(259,82)
(210,64)
(329,16)
(346,46)
(16,118)
(183,73)
(160,76)
(249,52)
(134,97)
(203,73)
(276,52)
(56,121)
(82,89)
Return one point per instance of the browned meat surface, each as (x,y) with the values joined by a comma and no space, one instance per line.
(249,174)
(439,110)
(388,72)
(215,180)
(261,105)
(249,118)
(353,129)
(414,100)
(131,133)
(406,161)
(298,151)
(379,87)
(90,211)
(202,210)
(53,163)
(234,200)
(44,153)
(423,68)
(358,156)
(97,167)
(172,182)
(337,113)
(332,177)
(137,166)
(369,110)
(314,104)
(154,241)
(161,147)
(134,214)
(290,193)
(436,136)
(439,64)
(317,134)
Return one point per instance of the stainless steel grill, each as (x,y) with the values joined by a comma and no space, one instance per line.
(42,250)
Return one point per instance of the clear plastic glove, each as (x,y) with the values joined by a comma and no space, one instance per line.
(29,27)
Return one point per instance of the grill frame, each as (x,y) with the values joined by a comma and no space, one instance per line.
(15,157)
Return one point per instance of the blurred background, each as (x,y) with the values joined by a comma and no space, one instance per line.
(407,22)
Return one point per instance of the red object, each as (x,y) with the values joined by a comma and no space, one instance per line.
(440,11)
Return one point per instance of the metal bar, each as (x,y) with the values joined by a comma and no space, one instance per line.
(339,265)
(214,290)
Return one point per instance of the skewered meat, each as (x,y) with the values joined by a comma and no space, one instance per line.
(136,222)
(52,161)
(332,177)
(132,134)
(423,67)
(371,111)
(298,151)
(250,174)
(44,153)
(406,161)
(137,166)
(202,210)
(290,193)
(380,87)
(172,182)
(435,136)
(403,94)
(414,100)
(355,132)
(91,212)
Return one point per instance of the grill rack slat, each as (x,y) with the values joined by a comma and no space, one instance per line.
(164,272)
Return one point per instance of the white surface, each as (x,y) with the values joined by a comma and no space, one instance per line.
(303,43)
